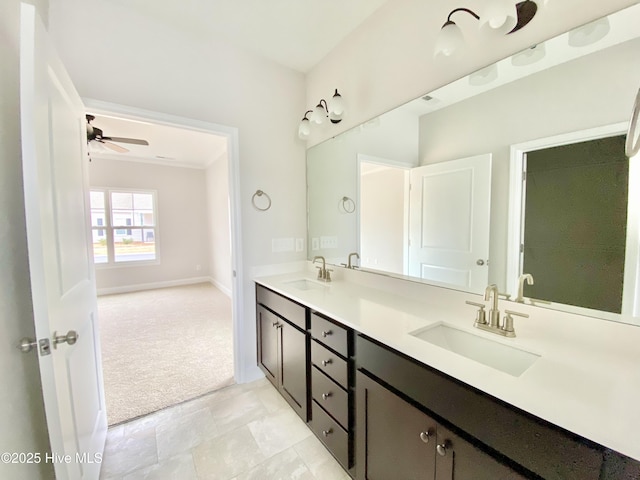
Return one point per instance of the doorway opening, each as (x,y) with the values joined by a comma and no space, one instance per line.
(573,222)
(164,264)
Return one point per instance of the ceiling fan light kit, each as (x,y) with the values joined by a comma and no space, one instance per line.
(333,110)
(498,17)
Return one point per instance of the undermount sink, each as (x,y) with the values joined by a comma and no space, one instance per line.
(305,284)
(505,358)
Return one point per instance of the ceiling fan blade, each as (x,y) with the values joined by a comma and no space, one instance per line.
(114,147)
(133,141)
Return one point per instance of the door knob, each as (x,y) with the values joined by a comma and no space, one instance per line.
(71,337)
(480,262)
(27,344)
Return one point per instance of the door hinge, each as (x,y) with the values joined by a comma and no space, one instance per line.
(524,176)
(522,248)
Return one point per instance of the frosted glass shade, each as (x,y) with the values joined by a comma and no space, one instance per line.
(304,129)
(336,105)
(449,39)
(318,115)
(498,17)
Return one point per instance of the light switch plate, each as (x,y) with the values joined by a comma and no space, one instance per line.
(280,245)
(329,242)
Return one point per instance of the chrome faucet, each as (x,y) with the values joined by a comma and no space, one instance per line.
(323,273)
(494,313)
(349,264)
(529,278)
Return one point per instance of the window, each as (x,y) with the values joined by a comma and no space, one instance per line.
(123,226)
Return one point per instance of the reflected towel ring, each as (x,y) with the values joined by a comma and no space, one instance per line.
(348,205)
(631,149)
(260,193)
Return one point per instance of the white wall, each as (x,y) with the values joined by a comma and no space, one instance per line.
(389,59)
(22,422)
(183,233)
(217,176)
(383,219)
(115,55)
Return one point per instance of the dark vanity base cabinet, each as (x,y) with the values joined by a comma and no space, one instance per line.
(545,451)
(283,347)
(332,416)
(397,440)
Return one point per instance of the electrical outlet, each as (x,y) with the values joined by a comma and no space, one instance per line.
(315,244)
(198,267)
(299,244)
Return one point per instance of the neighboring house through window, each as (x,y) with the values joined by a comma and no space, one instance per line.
(123,226)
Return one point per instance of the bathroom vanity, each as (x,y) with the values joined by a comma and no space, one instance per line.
(350,359)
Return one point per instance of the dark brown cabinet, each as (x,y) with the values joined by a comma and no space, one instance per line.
(397,440)
(283,349)
(332,387)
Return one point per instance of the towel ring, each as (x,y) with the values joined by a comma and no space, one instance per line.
(348,205)
(630,148)
(260,193)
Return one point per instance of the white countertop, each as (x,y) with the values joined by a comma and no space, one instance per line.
(587,379)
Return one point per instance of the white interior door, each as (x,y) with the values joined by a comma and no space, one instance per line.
(60,257)
(449,209)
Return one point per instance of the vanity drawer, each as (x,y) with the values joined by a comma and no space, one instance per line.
(330,334)
(330,363)
(331,434)
(330,396)
(284,307)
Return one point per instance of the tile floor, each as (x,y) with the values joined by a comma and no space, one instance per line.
(238,433)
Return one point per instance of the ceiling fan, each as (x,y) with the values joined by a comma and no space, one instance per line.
(94,134)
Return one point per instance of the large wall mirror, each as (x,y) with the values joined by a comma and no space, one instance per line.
(517,168)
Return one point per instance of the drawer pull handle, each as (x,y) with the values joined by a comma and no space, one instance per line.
(326,395)
(426,435)
(326,362)
(325,334)
(443,447)
(326,433)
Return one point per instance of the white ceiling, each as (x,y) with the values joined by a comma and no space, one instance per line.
(167,145)
(293,33)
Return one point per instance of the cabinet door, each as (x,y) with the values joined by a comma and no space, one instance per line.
(394,440)
(268,344)
(458,459)
(294,366)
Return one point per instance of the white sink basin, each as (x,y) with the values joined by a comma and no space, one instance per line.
(497,355)
(305,284)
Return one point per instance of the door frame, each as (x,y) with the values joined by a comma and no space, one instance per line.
(233,158)
(517,190)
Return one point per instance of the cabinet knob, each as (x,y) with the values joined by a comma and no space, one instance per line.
(326,433)
(326,395)
(426,435)
(326,362)
(327,333)
(442,448)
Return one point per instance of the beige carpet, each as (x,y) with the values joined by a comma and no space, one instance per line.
(162,347)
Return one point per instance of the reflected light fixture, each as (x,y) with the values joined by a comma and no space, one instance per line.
(333,110)
(498,17)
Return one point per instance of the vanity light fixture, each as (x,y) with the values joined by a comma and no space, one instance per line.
(333,110)
(499,17)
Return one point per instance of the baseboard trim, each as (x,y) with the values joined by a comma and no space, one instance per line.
(155,285)
(224,289)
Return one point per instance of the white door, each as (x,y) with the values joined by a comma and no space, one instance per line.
(60,255)
(449,208)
